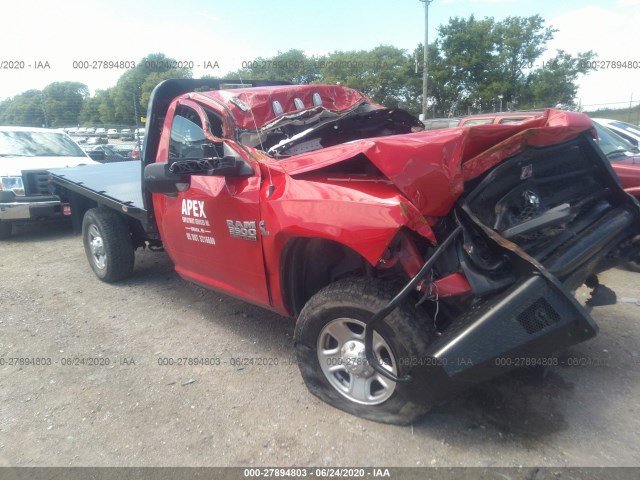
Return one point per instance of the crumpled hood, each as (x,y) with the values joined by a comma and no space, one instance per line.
(430,167)
(13,166)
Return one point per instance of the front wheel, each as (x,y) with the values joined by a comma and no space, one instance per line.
(108,245)
(329,339)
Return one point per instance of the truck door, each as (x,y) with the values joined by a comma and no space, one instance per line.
(211,231)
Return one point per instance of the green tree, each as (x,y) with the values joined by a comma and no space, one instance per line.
(385,73)
(99,109)
(154,79)
(25,109)
(128,92)
(291,66)
(443,90)
(520,42)
(468,56)
(89,113)
(472,63)
(63,102)
(555,82)
(477,62)
(4,105)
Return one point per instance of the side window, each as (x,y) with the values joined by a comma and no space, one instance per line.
(215,123)
(478,121)
(187,137)
(514,120)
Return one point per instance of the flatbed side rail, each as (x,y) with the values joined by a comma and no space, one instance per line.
(101,198)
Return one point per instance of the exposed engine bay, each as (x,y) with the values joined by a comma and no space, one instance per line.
(318,128)
(559,204)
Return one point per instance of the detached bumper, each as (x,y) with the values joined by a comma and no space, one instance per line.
(520,327)
(31,208)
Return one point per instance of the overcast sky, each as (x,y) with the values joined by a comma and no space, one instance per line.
(232,32)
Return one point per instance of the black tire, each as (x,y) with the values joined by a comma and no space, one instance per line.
(107,244)
(402,330)
(5,229)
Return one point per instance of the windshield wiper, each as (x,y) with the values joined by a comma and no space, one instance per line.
(13,155)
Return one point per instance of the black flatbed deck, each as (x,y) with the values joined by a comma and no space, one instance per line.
(116,185)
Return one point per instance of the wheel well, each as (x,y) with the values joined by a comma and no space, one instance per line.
(310,264)
(81,204)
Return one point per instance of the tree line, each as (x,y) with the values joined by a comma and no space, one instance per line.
(474,65)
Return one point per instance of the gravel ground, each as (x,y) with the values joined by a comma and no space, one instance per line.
(135,412)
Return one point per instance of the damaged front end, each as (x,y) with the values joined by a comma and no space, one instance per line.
(524,235)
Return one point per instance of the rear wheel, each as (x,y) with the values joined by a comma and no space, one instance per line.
(5,229)
(108,245)
(329,338)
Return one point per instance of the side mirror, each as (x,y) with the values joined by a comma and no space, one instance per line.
(158,179)
(221,167)
(215,163)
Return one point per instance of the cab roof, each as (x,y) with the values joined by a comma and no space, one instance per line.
(263,105)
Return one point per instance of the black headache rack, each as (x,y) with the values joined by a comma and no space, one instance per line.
(567,217)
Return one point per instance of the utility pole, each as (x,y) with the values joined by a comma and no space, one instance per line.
(135,109)
(425,72)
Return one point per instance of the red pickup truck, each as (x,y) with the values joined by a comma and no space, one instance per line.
(416,263)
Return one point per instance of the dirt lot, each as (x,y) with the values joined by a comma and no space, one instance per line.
(136,412)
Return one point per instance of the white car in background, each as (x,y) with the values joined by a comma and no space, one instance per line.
(26,155)
(626,130)
(126,134)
